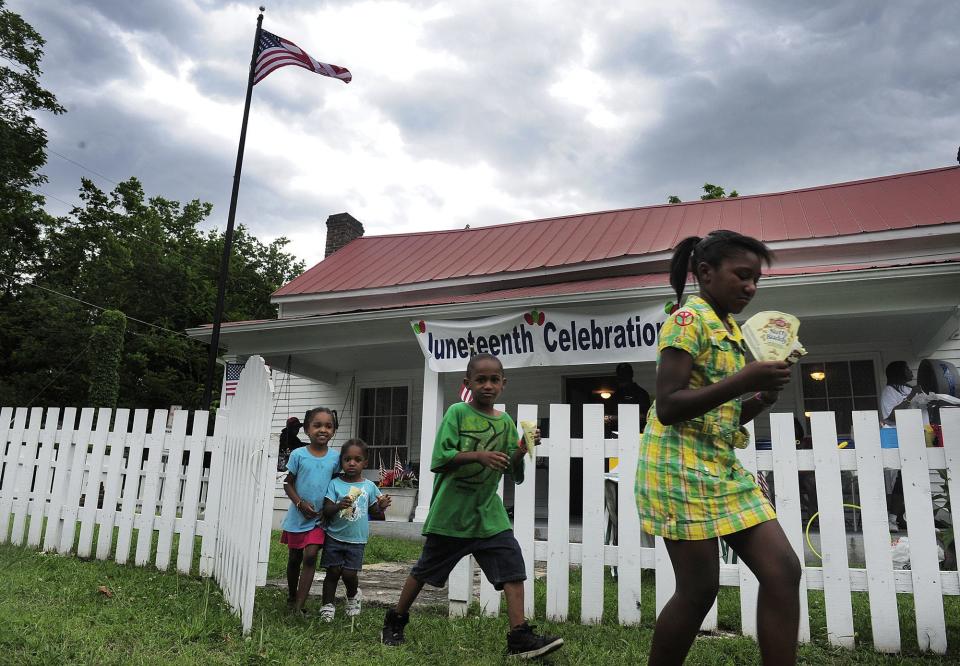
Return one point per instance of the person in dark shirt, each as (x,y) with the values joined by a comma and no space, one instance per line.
(288,442)
(628,392)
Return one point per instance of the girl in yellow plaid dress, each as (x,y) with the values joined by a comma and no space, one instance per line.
(690,488)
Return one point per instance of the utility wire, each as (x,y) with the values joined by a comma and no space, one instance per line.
(82,166)
(99,307)
(63,370)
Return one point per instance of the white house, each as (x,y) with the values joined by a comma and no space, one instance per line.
(871,268)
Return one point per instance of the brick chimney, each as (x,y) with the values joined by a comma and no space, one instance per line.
(341,229)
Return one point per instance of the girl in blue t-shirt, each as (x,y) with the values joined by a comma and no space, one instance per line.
(310,469)
(349,500)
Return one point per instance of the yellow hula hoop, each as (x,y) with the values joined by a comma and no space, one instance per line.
(810,523)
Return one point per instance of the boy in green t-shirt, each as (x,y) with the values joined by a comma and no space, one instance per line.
(474,445)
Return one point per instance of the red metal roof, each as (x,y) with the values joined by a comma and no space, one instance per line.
(628,282)
(900,201)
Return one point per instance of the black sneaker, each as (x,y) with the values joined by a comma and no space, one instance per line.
(393,624)
(524,644)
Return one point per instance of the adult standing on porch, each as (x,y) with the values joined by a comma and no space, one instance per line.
(691,490)
(896,395)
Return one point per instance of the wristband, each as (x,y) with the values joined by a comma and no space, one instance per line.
(298,504)
(759,396)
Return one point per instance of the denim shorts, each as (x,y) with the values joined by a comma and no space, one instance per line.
(342,554)
(499,558)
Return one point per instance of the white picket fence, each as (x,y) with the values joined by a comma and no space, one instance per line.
(924,580)
(64,479)
(246,499)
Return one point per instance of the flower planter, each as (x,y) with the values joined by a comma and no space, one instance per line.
(404,501)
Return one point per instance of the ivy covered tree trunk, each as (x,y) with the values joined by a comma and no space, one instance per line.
(106,350)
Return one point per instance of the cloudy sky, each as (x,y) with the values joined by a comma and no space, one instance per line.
(483,112)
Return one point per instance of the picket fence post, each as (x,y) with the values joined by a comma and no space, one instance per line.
(41,491)
(884,618)
(924,564)
(629,551)
(131,485)
(524,515)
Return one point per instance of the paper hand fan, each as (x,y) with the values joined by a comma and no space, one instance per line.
(772,336)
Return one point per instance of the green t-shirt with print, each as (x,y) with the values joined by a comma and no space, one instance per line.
(465,501)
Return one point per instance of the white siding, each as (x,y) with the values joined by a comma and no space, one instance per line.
(950,350)
(294,395)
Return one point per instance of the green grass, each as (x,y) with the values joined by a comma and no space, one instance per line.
(379,549)
(51,612)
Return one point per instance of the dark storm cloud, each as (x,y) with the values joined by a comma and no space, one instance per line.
(756,96)
(813,96)
(78,52)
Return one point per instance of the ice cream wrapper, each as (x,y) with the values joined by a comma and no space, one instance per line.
(773,336)
(353,494)
(529,429)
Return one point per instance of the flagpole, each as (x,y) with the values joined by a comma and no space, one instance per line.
(228,236)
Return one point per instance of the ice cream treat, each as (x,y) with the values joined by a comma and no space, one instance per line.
(772,336)
(353,495)
(529,430)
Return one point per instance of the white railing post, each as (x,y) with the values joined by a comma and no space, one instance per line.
(429,422)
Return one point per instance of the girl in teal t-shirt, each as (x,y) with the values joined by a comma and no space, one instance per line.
(349,500)
(310,469)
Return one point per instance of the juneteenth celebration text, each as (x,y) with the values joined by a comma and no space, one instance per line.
(632,333)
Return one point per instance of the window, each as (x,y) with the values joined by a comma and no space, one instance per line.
(842,387)
(382,424)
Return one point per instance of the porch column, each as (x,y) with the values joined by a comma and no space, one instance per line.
(430,421)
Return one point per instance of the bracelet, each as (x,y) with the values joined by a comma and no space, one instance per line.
(297,505)
(759,396)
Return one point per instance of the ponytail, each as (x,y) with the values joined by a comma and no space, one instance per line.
(680,265)
(712,249)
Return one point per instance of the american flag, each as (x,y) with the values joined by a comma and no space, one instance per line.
(231,377)
(383,472)
(764,487)
(275,52)
(397,465)
(466,395)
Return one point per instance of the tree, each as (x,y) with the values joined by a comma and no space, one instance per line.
(22,149)
(716,192)
(106,351)
(146,258)
(710,192)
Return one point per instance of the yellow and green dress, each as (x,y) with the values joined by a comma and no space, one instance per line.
(690,484)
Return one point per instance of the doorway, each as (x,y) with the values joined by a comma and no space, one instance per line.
(580,391)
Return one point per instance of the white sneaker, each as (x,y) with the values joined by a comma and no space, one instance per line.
(327,611)
(353,605)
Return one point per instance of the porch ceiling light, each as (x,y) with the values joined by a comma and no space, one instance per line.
(605,395)
(818,375)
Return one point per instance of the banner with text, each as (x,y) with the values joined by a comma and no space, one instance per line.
(542,337)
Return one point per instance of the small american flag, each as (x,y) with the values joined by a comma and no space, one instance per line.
(275,52)
(397,465)
(383,472)
(764,487)
(231,377)
(466,395)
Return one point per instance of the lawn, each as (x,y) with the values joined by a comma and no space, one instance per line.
(54,609)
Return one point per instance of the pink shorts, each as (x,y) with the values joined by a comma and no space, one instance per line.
(298,540)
